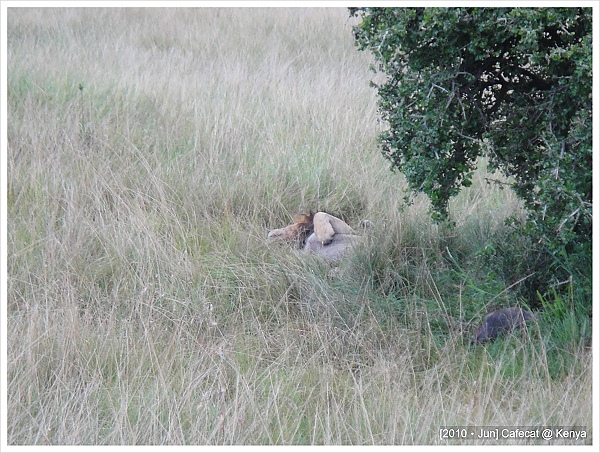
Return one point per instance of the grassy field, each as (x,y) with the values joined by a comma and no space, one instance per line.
(149,153)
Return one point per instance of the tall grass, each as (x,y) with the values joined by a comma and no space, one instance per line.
(149,152)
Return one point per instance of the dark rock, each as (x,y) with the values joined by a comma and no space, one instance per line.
(502,321)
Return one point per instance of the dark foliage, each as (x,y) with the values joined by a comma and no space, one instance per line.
(511,84)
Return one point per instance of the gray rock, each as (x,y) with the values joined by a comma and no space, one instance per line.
(335,250)
(502,321)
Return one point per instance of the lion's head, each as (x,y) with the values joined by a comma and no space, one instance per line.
(297,232)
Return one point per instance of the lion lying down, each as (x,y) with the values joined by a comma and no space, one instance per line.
(320,233)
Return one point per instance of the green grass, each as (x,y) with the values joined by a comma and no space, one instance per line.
(149,153)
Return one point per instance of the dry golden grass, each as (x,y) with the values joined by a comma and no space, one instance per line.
(149,152)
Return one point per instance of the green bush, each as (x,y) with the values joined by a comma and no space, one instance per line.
(511,84)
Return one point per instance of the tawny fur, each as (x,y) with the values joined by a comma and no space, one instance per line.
(297,232)
(320,233)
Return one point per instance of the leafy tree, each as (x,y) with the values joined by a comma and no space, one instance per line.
(511,84)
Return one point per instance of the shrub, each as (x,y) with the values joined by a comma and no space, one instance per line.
(511,84)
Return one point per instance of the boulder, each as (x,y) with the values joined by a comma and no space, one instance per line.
(502,321)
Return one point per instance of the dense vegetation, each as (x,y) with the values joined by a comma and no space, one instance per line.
(511,84)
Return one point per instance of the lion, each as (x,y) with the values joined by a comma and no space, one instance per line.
(320,233)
